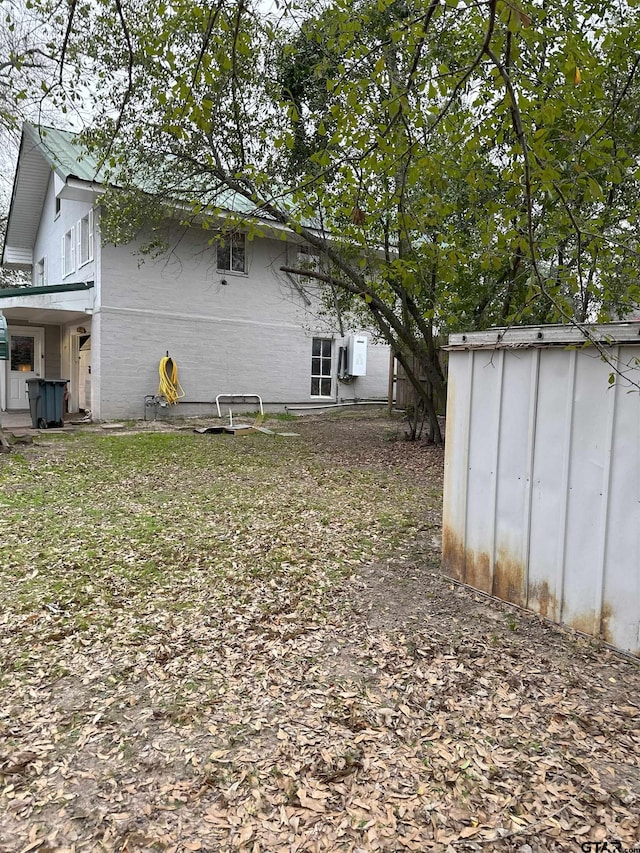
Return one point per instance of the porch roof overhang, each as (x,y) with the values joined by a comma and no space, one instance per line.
(53,304)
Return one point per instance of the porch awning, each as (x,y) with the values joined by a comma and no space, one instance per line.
(10,292)
(49,304)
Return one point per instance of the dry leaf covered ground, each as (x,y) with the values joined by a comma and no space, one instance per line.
(212,643)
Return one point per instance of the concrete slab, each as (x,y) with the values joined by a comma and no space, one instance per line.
(12,421)
(15,420)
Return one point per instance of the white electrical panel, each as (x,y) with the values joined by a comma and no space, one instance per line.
(357,355)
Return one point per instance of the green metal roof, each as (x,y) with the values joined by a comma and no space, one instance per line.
(62,150)
(47,148)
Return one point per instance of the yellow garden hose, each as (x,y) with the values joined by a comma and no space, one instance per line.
(169,386)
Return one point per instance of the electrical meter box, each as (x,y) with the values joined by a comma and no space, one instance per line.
(357,355)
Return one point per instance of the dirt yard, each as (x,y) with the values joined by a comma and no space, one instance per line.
(211,643)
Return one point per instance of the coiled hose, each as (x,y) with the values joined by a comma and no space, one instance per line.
(169,387)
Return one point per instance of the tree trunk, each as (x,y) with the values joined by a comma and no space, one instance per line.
(423,392)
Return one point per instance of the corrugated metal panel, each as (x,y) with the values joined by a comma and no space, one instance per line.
(542,485)
(549,482)
(61,150)
(621,586)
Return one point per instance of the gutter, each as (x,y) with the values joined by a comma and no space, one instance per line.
(8,292)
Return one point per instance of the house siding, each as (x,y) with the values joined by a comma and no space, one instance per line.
(51,230)
(250,335)
(229,333)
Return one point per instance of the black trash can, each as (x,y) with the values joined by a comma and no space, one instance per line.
(46,402)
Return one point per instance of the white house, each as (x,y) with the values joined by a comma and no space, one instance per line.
(97,315)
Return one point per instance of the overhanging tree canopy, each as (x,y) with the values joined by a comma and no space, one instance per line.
(459,165)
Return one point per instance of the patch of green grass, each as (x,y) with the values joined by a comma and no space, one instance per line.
(114,534)
(281,416)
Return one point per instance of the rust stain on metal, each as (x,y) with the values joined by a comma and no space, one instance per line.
(463,564)
(584,622)
(595,624)
(508,581)
(588,622)
(479,571)
(453,557)
(605,628)
(543,601)
(509,585)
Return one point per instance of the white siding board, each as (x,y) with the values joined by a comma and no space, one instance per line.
(51,231)
(483,461)
(621,588)
(512,498)
(456,461)
(546,545)
(52,364)
(583,540)
(252,335)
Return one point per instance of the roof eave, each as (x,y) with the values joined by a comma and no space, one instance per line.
(14,191)
(78,189)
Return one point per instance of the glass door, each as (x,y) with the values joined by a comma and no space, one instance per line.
(26,361)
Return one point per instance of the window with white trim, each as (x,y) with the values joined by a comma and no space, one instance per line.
(321,367)
(85,239)
(68,252)
(40,278)
(231,253)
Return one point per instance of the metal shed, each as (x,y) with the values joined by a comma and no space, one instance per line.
(542,473)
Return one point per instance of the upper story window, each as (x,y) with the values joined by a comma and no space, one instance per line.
(57,207)
(68,252)
(40,278)
(85,239)
(231,253)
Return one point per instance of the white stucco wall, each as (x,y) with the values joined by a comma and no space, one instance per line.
(251,335)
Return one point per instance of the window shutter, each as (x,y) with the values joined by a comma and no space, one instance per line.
(90,235)
(79,241)
(73,250)
(64,269)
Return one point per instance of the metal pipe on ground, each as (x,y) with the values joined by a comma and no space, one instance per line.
(313,407)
